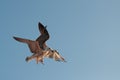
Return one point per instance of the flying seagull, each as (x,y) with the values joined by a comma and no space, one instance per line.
(39,48)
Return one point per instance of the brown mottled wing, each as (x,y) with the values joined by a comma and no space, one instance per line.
(33,45)
(22,40)
(43,37)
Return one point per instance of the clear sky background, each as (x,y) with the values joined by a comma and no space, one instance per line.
(85,32)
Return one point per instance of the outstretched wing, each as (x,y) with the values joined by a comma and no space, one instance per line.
(43,37)
(33,45)
(22,40)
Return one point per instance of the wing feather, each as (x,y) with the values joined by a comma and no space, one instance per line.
(33,45)
(22,40)
(43,37)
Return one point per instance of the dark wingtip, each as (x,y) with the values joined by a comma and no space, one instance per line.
(14,37)
(27,59)
(39,23)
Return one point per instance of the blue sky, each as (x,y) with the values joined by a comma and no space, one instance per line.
(85,32)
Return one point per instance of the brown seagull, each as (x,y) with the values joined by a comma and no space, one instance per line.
(39,48)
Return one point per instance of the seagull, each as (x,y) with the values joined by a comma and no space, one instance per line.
(39,48)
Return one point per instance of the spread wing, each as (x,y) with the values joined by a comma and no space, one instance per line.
(33,45)
(43,37)
(22,40)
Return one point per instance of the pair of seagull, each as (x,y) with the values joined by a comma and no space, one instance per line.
(39,48)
